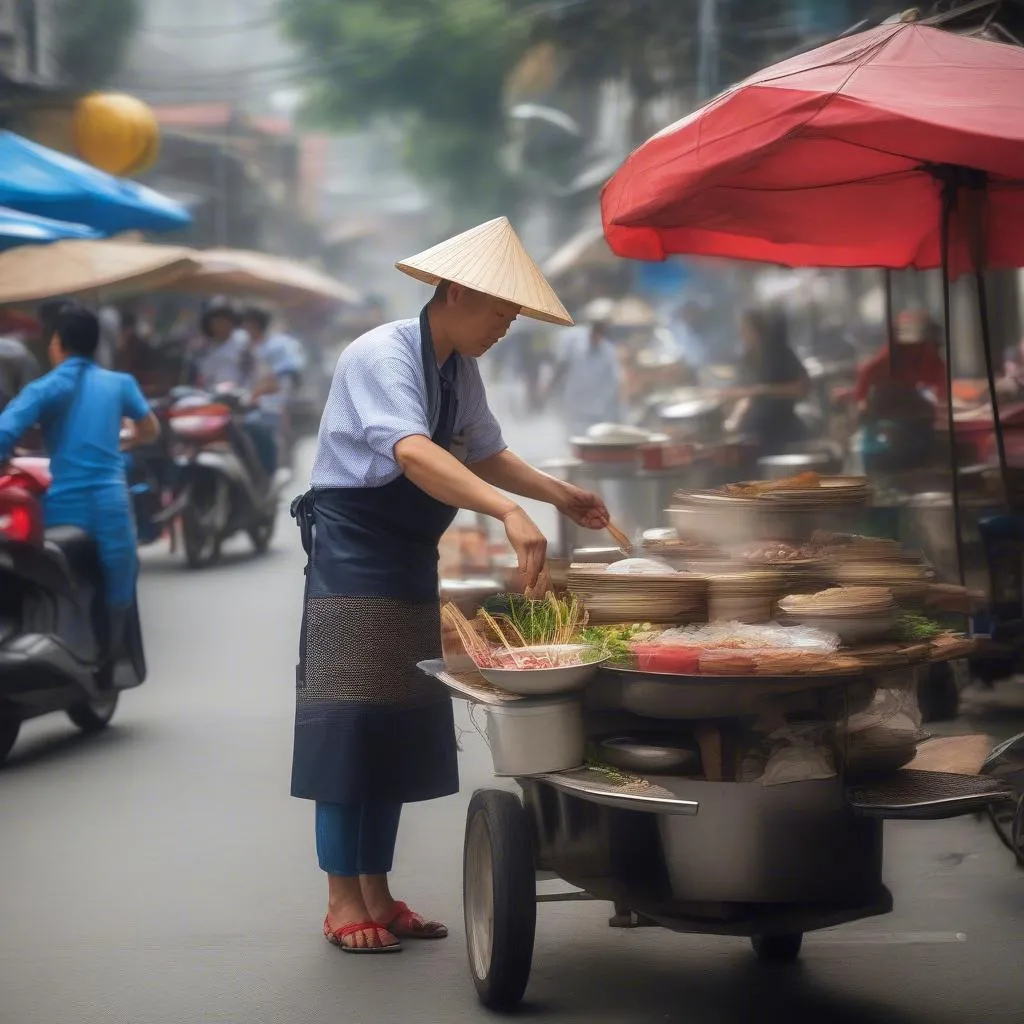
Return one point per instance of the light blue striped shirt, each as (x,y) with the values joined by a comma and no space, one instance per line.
(379,396)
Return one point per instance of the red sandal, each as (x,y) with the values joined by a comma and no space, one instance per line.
(337,937)
(407,924)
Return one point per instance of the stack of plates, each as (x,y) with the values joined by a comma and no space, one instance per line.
(833,492)
(610,598)
(906,580)
(680,553)
(854,614)
(743,596)
(714,518)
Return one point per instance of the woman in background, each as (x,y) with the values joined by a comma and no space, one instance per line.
(772,382)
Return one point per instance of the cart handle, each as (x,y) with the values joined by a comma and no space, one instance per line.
(623,801)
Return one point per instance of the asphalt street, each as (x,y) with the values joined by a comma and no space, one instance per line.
(160,873)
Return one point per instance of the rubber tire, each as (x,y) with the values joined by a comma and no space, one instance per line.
(9,728)
(938,695)
(262,535)
(199,551)
(513,893)
(778,949)
(96,716)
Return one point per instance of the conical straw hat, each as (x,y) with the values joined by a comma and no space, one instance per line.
(490,259)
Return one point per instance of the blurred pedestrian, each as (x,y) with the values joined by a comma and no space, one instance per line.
(589,373)
(772,382)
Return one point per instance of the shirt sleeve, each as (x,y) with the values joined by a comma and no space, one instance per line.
(24,411)
(388,401)
(133,402)
(479,427)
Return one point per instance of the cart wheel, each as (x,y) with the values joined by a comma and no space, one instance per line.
(499,895)
(777,949)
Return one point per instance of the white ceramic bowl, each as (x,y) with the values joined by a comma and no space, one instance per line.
(544,681)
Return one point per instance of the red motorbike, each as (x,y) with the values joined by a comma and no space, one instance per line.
(55,653)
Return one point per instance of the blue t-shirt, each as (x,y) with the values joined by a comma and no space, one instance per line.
(80,407)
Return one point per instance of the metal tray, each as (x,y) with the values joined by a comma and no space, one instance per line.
(812,681)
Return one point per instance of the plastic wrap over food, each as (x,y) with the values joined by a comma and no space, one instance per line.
(741,636)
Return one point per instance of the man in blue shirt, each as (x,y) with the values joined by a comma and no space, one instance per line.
(81,407)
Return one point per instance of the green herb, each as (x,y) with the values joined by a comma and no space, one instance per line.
(911,627)
(611,640)
(518,621)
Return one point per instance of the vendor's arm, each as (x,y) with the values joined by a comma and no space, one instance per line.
(509,472)
(387,399)
(489,458)
(443,477)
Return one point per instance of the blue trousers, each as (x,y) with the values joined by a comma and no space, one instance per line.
(105,513)
(356,839)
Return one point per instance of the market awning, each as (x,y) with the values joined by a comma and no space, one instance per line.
(34,179)
(89,269)
(273,278)
(17,228)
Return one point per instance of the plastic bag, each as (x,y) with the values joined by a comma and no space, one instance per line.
(799,754)
(884,736)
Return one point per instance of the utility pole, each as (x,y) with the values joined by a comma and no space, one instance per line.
(710,44)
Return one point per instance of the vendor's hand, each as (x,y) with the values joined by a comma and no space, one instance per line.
(583,508)
(529,544)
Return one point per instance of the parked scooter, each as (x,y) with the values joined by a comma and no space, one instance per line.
(221,488)
(54,629)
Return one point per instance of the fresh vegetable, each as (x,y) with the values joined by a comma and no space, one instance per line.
(615,641)
(911,627)
(516,621)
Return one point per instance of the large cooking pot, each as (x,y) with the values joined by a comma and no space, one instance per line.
(696,418)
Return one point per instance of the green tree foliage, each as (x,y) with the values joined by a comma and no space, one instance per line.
(438,65)
(92,36)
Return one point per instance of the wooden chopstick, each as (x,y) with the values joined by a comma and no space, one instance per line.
(624,543)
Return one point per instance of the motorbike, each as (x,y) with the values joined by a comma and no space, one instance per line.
(54,628)
(220,487)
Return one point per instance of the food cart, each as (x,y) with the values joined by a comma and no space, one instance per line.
(701,786)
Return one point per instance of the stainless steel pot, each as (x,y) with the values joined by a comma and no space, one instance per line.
(531,737)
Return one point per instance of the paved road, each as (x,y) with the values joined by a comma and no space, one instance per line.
(160,874)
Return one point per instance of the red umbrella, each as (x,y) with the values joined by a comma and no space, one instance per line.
(840,157)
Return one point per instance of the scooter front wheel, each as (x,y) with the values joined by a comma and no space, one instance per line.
(95,714)
(202,546)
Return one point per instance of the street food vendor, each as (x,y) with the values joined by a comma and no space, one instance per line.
(406,440)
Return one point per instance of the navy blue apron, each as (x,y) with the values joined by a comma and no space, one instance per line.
(368,724)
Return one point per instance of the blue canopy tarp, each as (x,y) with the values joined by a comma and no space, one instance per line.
(42,181)
(17,228)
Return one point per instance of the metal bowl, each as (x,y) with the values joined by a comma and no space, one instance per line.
(537,682)
(650,755)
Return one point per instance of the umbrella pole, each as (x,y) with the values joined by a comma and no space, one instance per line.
(890,321)
(948,202)
(978,249)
